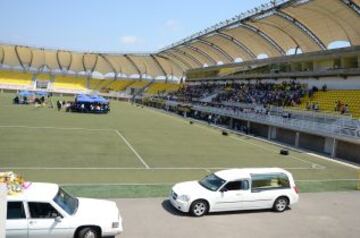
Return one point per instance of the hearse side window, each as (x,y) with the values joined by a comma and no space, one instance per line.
(15,211)
(237,185)
(42,211)
(269,181)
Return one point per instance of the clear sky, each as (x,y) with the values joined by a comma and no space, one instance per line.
(111,25)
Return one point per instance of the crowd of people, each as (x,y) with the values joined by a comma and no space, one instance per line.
(190,93)
(283,94)
(38,101)
(82,107)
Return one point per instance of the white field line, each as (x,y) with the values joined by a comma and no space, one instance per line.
(167,184)
(313,165)
(326,180)
(124,168)
(114,184)
(83,129)
(132,149)
(344,163)
(55,128)
(204,126)
(290,148)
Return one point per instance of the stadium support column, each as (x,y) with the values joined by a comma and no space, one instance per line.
(334,149)
(231,124)
(3,208)
(297,139)
(272,133)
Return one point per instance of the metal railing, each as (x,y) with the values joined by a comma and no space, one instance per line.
(347,129)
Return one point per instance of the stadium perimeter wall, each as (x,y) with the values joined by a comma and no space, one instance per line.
(348,151)
(319,144)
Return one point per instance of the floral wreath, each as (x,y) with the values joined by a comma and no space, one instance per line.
(15,183)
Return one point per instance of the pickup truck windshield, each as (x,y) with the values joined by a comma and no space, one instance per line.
(66,202)
(212,182)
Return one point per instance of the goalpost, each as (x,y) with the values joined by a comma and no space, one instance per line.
(3,208)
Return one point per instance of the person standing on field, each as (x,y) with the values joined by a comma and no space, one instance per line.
(58,104)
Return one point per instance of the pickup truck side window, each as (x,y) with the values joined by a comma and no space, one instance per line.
(15,211)
(42,211)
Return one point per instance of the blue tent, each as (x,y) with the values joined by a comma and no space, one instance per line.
(25,94)
(99,99)
(83,98)
(41,94)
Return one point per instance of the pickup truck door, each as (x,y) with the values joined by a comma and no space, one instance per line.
(45,221)
(16,222)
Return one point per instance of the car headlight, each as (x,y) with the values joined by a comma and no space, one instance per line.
(184,198)
(115,225)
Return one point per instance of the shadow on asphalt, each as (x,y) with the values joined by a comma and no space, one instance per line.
(170,209)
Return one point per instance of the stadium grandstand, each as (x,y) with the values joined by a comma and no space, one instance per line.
(287,72)
(280,58)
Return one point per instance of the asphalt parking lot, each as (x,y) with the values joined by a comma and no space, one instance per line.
(317,215)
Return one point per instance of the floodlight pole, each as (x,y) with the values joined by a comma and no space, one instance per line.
(3,208)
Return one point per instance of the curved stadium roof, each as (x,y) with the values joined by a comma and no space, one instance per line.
(272,29)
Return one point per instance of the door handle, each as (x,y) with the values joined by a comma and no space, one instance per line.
(32,222)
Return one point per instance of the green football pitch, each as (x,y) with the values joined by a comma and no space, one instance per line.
(139,152)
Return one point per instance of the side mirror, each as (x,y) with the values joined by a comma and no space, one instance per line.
(223,190)
(58,219)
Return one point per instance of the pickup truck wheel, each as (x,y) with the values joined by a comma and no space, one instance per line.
(281,204)
(199,208)
(88,233)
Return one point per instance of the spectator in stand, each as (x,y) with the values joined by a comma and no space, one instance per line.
(324,88)
(345,109)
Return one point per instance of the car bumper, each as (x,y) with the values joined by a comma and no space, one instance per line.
(294,199)
(180,205)
(112,232)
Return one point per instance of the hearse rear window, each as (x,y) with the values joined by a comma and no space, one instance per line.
(270,181)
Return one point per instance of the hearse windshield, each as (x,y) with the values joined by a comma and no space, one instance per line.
(66,202)
(212,182)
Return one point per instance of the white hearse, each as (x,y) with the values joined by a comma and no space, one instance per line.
(236,189)
(47,211)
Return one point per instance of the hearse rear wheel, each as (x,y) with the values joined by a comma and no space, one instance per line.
(281,204)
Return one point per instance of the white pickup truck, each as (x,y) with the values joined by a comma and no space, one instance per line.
(45,210)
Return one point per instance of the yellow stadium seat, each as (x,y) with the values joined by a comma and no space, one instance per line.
(119,85)
(140,84)
(95,84)
(15,78)
(43,77)
(328,99)
(162,87)
(73,83)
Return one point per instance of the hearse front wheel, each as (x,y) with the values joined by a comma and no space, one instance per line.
(88,233)
(199,208)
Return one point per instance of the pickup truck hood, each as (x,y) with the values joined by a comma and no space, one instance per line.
(98,210)
(191,188)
